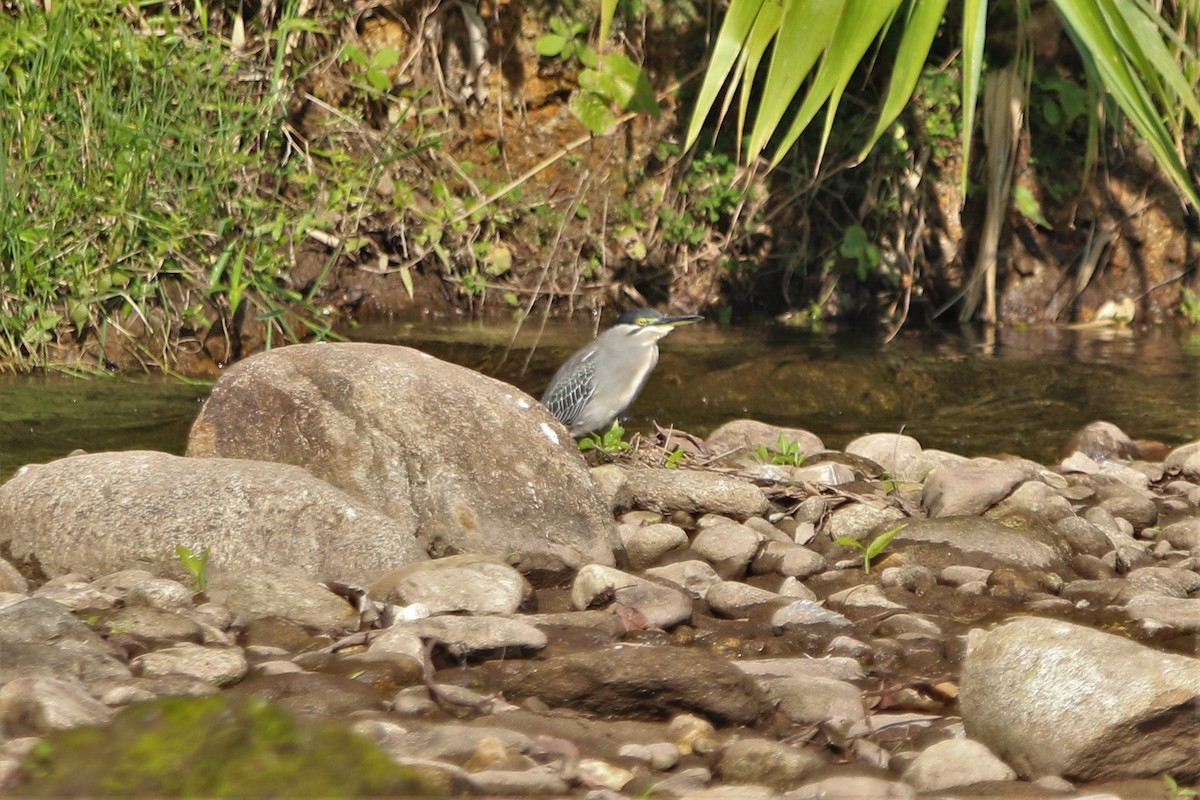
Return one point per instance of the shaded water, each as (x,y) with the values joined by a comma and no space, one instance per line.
(1024,393)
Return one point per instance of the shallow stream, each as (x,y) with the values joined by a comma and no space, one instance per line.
(1023,393)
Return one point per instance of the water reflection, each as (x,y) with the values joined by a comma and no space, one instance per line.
(1024,393)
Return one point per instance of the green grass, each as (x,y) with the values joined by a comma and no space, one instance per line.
(134,204)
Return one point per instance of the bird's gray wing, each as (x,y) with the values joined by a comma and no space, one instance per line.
(572,387)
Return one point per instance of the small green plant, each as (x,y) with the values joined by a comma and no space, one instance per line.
(708,193)
(566,41)
(195,564)
(612,441)
(605,82)
(1174,790)
(375,66)
(1189,306)
(786,453)
(674,458)
(872,550)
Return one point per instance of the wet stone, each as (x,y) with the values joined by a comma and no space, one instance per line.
(695,577)
(735,600)
(220,666)
(660,604)
(474,584)
(646,545)
(954,763)
(728,547)
(767,762)
(160,593)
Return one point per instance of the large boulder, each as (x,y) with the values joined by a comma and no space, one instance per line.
(106,512)
(475,465)
(1053,698)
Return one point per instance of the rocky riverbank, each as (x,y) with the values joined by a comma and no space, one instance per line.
(408,550)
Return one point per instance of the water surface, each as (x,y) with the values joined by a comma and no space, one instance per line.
(1023,393)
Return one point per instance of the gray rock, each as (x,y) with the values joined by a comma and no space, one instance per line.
(152,624)
(1123,502)
(791,587)
(220,666)
(537,782)
(45,622)
(661,604)
(1186,459)
(735,600)
(839,668)
(1037,497)
(976,542)
(787,559)
(812,700)
(971,487)
(161,593)
(695,577)
(857,520)
(864,595)
(32,660)
(11,580)
(1050,697)
(37,706)
(630,679)
(119,583)
(741,437)
(77,597)
(256,593)
(475,584)
(669,490)
(853,787)
(403,432)
(915,579)
(1162,581)
(1184,534)
(463,636)
(614,487)
(895,452)
(1083,537)
(107,511)
(1102,440)
(729,547)
(644,546)
(953,763)
(767,762)
(1179,614)
(804,613)
(657,756)
(956,575)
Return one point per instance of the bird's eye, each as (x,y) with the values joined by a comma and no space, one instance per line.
(643,320)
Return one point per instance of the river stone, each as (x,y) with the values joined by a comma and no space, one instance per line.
(470,583)
(153,625)
(645,545)
(462,636)
(161,593)
(1054,698)
(632,679)
(1184,534)
(735,600)
(11,580)
(1179,614)
(252,594)
(859,520)
(41,621)
(220,666)
(662,605)
(971,487)
(669,490)
(813,700)
(767,762)
(1102,440)
(1186,459)
(37,706)
(975,542)
(895,452)
(787,559)
(32,660)
(694,576)
(953,763)
(1162,581)
(729,547)
(108,511)
(472,464)
(743,436)
(854,787)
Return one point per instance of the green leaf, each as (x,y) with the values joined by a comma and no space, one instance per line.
(974,28)
(925,17)
(727,52)
(607,9)
(1029,206)
(593,111)
(880,542)
(550,45)
(805,31)
(632,89)
(849,541)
